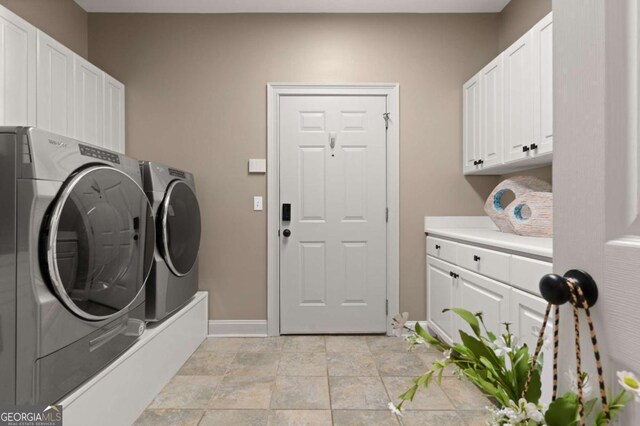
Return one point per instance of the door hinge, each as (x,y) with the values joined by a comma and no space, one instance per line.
(386,214)
(386,120)
(278,232)
(386,306)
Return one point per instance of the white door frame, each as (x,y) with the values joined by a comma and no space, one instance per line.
(274,92)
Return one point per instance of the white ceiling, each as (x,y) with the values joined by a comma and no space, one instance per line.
(293,6)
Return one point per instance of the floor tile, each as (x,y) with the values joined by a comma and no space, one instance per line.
(431,418)
(186,392)
(243,393)
(304,344)
(303,364)
(400,364)
(364,418)
(475,417)
(262,344)
(379,344)
(222,344)
(301,393)
(358,393)
(254,364)
(346,344)
(463,394)
(235,417)
(351,364)
(300,417)
(431,398)
(206,364)
(169,417)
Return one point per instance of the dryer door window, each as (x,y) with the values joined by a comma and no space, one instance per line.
(180,228)
(99,242)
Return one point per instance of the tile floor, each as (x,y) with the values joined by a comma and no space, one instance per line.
(310,380)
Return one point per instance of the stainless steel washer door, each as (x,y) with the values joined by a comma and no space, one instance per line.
(180,228)
(99,242)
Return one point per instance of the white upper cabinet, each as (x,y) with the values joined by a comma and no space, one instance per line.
(89,107)
(515,110)
(17,71)
(55,86)
(543,68)
(113,114)
(492,113)
(471,124)
(519,91)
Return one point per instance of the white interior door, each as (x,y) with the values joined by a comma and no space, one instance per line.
(333,174)
(596,173)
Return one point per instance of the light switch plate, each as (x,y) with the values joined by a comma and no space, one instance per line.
(257,203)
(257,165)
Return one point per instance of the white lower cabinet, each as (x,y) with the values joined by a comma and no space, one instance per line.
(503,286)
(476,293)
(527,315)
(441,294)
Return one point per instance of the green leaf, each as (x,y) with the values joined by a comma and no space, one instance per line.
(409,394)
(479,349)
(535,388)
(615,408)
(563,411)
(429,338)
(470,318)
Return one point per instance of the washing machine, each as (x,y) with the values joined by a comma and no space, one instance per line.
(174,271)
(76,245)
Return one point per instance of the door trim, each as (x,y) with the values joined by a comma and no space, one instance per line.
(274,92)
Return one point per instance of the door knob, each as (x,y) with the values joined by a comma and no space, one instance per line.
(555,290)
(286,233)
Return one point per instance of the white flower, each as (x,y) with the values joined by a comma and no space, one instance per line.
(587,389)
(500,347)
(394,409)
(398,323)
(533,412)
(447,354)
(630,382)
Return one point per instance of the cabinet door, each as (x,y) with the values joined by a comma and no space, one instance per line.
(17,70)
(476,293)
(440,289)
(471,124)
(491,113)
(519,99)
(113,114)
(89,107)
(55,86)
(543,68)
(527,314)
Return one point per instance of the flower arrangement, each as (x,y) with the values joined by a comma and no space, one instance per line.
(500,367)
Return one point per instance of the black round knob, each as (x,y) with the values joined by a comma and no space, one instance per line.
(554,289)
(286,233)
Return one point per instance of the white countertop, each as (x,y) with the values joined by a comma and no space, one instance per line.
(481,230)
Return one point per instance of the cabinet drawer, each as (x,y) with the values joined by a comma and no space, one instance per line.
(442,249)
(526,273)
(485,262)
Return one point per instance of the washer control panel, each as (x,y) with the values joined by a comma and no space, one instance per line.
(177,173)
(92,151)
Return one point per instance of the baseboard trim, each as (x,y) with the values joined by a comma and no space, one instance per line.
(412,326)
(237,328)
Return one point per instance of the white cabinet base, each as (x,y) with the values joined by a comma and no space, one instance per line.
(120,392)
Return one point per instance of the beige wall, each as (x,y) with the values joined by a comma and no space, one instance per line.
(196,99)
(518,17)
(63,20)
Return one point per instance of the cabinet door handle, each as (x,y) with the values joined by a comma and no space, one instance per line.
(480,161)
(437,247)
(476,258)
(525,148)
(451,274)
(475,163)
(533,146)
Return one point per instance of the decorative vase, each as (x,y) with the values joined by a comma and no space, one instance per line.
(531,214)
(518,186)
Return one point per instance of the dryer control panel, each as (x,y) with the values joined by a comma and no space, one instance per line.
(92,151)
